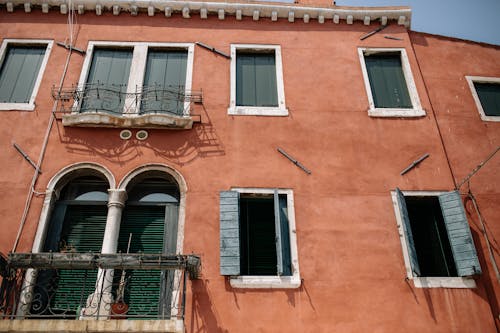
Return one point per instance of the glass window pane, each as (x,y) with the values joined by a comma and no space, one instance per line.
(489,95)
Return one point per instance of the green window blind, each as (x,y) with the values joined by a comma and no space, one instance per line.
(489,95)
(229,233)
(387,81)
(142,289)
(82,231)
(256,80)
(107,80)
(462,244)
(20,69)
(164,82)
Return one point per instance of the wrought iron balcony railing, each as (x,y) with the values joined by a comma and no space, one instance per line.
(95,286)
(115,99)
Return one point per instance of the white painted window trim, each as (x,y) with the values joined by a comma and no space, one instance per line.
(268,281)
(281,109)
(137,68)
(416,110)
(482,79)
(30,106)
(422,281)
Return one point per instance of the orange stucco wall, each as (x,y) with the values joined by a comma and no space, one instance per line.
(349,250)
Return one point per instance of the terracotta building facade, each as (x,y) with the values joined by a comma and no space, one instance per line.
(184,166)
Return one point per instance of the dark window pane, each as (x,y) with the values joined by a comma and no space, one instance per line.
(489,95)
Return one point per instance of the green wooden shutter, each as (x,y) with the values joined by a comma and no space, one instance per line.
(164,82)
(82,231)
(285,236)
(387,81)
(412,252)
(20,69)
(256,80)
(462,244)
(277,226)
(489,95)
(107,81)
(229,233)
(147,225)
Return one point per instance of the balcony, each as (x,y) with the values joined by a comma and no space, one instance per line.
(57,292)
(99,105)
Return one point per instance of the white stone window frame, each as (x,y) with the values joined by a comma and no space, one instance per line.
(416,110)
(30,106)
(137,69)
(234,109)
(482,79)
(268,281)
(422,281)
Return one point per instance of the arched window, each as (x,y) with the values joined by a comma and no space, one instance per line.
(77,224)
(150,222)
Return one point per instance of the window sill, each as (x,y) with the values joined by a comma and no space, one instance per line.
(89,119)
(17,106)
(257,111)
(266,282)
(444,282)
(490,118)
(398,113)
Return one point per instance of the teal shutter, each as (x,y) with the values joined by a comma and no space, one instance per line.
(256,80)
(20,69)
(489,95)
(412,252)
(142,289)
(285,236)
(277,225)
(82,231)
(229,233)
(164,82)
(457,227)
(55,227)
(387,81)
(107,81)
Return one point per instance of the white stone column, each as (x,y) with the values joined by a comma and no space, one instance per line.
(99,303)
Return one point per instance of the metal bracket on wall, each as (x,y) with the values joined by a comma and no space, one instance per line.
(294,161)
(26,157)
(71,48)
(414,164)
(382,27)
(213,49)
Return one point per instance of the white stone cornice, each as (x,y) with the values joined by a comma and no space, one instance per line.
(273,11)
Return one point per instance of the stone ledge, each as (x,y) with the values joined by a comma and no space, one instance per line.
(133,121)
(60,326)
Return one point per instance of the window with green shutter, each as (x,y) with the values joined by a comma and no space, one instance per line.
(22,63)
(437,235)
(255,238)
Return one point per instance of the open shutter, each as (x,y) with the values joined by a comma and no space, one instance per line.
(285,236)
(462,244)
(229,233)
(387,81)
(277,225)
(412,253)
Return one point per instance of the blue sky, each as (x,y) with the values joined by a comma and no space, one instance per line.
(477,20)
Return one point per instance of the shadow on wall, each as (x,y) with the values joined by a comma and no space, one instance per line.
(180,147)
(204,317)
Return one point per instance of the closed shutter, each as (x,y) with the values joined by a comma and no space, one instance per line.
(107,81)
(83,231)
(256,80)
(412,252)
(489,95)
(229,233)
(164,82)
(20,69)
(142,289)
(387,81)
(462,244)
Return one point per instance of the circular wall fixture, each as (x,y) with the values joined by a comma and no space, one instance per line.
(141,135)
(125,134)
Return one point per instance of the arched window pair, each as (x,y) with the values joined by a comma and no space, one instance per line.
(82,220)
